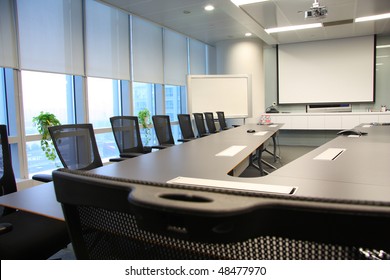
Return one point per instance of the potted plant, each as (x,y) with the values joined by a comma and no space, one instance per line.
(144,121)
(42,122)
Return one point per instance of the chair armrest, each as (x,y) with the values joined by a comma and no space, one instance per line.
(185,140)
(159,147)
(5,227)
(43,177)
(117,159)
(130,155)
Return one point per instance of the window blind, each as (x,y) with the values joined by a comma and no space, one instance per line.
(50,35)
(197,57)
(175,58)
(147,51)
(107,42)
(8,53)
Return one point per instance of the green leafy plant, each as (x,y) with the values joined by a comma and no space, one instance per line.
(144,121)
(42,122)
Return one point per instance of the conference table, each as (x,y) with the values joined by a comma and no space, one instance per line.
(41,199)
(348,174)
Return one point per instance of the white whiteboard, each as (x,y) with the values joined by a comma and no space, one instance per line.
(330,71)
(212,93)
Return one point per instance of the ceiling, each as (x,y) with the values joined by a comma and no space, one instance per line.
(228,21)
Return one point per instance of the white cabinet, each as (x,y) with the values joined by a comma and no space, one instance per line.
(327,121)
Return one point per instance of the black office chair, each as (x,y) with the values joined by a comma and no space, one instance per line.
(162,127)
(222,120)
(185,127)
(76,146)
(128,137)
(144,220)
(199,123)
(210,122)
(25,235)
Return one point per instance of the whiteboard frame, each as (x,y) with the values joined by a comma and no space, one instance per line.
(221,78)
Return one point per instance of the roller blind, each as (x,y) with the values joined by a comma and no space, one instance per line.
(197,57)
(8,48)
(147,51)
(107,42)
(50,35)
(175,58)
(211,60)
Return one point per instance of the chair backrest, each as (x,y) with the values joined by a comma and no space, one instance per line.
(162,127)
(111,218)
(127,134)
(210,122)
(7,177)
(222,120)
(185,126)
(76,146)
(199,123)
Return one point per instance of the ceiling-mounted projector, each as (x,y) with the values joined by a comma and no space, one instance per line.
(316,11)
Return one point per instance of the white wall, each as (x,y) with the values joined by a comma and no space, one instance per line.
(244,57)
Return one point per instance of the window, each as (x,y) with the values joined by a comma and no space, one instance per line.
(104,103)
(144,97)
(45,92)
(173,101)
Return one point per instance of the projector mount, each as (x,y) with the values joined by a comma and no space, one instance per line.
(316,11)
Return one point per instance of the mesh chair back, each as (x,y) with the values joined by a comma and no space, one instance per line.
(199,123)
(7,177)
(185,126)
(162,127)
(222,120)
(111,218)
(76,146)
(127,134)
(210,122)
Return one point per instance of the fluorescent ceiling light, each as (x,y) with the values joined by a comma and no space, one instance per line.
(248,34)
(375,17)
(383,46)
(245,2)
(293,27)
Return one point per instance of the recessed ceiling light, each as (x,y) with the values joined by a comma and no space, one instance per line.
(248,34)
(245,2)
(293,27)
(375,17)
(209,8)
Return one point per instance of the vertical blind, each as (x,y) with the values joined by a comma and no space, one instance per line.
(197,57)
(175,58)
(107,42)
(8,53)
(50,35)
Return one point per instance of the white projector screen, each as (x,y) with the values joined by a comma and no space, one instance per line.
(331,71)
(212,93)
